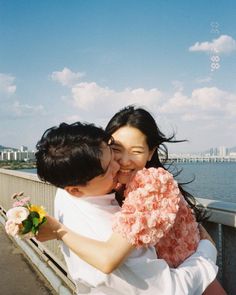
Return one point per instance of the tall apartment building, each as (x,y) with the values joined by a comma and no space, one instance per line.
(19,155)
(23,148)
(222,151)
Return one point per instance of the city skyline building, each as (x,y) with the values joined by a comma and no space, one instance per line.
(22,154)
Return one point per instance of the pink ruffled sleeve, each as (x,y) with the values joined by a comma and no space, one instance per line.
(182,239)
(150,207)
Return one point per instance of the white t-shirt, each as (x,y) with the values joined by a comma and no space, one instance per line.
(141,272)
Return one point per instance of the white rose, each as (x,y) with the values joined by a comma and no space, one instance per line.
(18,214)
(12,228)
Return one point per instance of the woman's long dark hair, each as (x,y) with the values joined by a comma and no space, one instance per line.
(141,119)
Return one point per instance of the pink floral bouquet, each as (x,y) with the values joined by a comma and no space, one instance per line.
(24,219)
(155,213)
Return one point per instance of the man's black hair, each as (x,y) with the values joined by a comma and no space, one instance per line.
(70,154)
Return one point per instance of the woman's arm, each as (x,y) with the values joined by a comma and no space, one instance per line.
(105,256)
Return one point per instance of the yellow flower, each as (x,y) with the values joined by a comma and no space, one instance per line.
(39,209)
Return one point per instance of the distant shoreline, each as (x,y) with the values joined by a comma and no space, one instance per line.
(21,165)
(17,165)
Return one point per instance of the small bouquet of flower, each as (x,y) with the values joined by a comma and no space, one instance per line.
(155,213)
(24,219)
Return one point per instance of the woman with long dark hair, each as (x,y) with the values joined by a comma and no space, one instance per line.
(130,121)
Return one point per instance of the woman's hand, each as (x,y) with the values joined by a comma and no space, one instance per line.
(204,234)
(49,230)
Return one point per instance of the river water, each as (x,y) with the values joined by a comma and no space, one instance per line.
(212,180)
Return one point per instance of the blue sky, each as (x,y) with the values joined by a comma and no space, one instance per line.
(84,60)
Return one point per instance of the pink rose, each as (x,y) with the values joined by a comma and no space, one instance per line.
(128,208)
(146,239)
(22,202)
(12,228)
(17,204)
(18,214)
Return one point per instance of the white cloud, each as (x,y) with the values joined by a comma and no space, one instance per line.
(7,84)
(178,103)
(95,101)
(178,85)
(208,98)
(203,80)
(231,105)
(141,96)
(72,119)
(199,113)
(91,96)
(86,95)
(66,77)
(25,110)
(11,108)
(189,117)
(205,103)
(223,44)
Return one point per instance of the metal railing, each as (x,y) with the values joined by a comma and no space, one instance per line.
(222,228)
(221,225)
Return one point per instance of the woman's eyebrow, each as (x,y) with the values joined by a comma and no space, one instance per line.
(137,147)
(118,144)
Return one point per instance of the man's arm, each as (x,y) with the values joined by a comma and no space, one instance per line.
(197,271)
(191,277)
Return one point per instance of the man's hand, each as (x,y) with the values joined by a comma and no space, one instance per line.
(204,234)
(48,231)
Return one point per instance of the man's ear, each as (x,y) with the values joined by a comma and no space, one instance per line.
(74,191)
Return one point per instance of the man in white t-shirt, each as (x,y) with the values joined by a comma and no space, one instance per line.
(77,158)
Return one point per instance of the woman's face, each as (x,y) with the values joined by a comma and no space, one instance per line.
(131,151)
